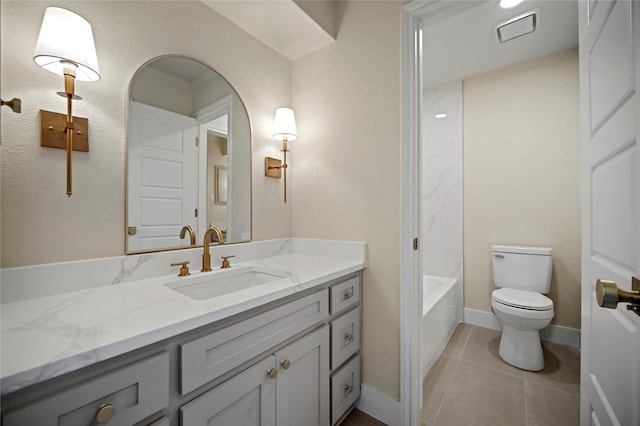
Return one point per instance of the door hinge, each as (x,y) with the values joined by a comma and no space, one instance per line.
(415,243)
(197,141)
(195,212)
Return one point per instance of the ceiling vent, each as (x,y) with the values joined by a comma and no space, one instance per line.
(517,26)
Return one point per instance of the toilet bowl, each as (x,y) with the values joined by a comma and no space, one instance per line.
(524,276)
(520,341)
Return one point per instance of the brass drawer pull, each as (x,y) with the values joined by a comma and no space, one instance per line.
(272,373)
(105,413)
(347,294)
(285,364)
(348,337)
(348,388)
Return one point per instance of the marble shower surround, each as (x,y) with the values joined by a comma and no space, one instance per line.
(442,214)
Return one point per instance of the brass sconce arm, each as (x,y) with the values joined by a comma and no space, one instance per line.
(284,129)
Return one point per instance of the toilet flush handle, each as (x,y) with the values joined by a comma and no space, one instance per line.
(498,256)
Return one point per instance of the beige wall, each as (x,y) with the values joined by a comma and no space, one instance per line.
(346,164)
(521,174)
(39,223)
(345,168)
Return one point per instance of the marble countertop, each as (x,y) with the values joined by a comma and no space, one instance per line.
(48,336)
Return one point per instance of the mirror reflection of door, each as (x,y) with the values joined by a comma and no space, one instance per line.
(186,124)
(217,155)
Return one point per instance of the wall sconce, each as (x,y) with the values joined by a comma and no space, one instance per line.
(284,128)
(65,47)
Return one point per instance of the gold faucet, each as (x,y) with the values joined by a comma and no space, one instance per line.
(192,235)
(206,257)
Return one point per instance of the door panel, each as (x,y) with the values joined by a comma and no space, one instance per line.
(162,177)
(610,175)
(611,59)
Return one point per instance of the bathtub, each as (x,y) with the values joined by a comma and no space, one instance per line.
(440,316)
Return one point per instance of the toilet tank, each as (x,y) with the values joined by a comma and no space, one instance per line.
(523,268)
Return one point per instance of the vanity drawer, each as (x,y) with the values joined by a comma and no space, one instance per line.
(345,388)
(208,357)
(345,337)
(344,294)
(135,391)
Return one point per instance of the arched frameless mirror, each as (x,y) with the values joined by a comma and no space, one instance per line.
(188,156)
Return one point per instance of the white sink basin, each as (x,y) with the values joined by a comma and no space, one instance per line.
(213,284)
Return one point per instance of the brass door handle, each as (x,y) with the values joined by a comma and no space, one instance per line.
(609,295)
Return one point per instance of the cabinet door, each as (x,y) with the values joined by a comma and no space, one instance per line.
(303,381)
(247,399)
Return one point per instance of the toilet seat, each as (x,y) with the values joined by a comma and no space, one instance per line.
(522,299)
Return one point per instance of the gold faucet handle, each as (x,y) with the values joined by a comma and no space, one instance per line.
(184,268)
(225,261)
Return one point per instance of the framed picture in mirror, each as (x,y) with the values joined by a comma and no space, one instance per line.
(221,185)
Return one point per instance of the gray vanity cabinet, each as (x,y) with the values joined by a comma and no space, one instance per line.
(123,396)
(288,388)
(294,362)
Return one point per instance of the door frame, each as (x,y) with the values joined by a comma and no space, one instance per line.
(415,15)
(204,116)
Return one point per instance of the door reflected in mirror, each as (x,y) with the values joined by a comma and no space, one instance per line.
(189,156)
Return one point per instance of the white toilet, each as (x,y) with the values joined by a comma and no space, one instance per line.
(524,275)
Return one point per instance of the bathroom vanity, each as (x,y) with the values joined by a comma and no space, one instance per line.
(281,352)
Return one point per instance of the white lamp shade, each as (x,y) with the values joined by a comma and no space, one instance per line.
(284,125)
(68,37)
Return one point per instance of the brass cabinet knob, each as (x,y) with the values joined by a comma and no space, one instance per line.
(105,413)
(285,364)
(272,373)
(347,294)
(348,337)
(348,388)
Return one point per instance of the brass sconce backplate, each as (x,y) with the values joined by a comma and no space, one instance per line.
(272,167)
(53,135)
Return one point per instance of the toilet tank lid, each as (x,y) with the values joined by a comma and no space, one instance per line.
(541,251)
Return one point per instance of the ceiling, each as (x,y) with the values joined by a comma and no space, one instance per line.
(293,28)
(465,45)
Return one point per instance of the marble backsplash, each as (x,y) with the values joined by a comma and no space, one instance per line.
(29,282)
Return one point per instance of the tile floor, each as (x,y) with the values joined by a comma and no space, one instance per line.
(471,385)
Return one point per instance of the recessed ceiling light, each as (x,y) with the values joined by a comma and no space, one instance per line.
(441,115)
(508,4)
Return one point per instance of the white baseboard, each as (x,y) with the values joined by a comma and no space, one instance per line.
(553,333)
(379,405)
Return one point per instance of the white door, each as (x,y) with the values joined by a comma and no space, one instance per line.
(610,175)
(162,177)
